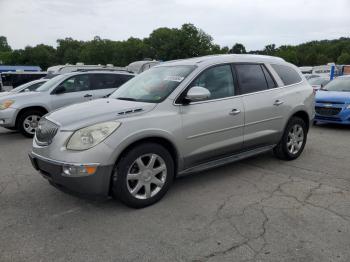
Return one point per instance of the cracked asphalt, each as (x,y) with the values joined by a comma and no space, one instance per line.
(260,209)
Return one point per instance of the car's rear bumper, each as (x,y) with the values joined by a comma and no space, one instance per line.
(91,186)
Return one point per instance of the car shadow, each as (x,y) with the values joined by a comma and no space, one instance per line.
(332,126)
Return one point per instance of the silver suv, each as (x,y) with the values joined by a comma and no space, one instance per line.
(23,111)
(176,118)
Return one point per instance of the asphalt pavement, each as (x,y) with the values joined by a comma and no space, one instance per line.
(260,209)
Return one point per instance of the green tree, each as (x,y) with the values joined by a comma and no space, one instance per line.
(238,49)
(344,59)
(4,46)
(270,49)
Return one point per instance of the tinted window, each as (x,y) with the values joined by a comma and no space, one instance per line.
(251,78)
(218,80)
(287,74)
(76,83)
(121,79)
(104,81)
(270,82)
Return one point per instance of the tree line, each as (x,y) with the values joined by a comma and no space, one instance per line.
(165,44)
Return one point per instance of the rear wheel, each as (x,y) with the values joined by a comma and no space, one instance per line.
(28,122)
(143,175)
(293,140)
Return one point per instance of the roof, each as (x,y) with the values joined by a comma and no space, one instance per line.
(212,59)
(6,68)
(99,72)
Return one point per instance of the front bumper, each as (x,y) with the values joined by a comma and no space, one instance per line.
(343,117)
(8,117)
(91,186)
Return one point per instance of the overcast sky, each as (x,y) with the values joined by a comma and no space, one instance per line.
(255,23)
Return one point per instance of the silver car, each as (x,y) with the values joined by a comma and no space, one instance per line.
(23,110)
(176,118)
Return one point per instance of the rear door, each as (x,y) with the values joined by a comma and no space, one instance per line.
(105,84)
(263,105)
(77,90)
(213,128)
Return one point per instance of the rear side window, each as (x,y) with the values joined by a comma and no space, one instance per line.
(287,74)
(251,78)
(105,81)
(121,79)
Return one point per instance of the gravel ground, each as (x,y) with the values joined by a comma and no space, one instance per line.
(260,209)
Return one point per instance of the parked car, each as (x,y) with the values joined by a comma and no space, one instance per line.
(68,68)
(318,82)
(12,80)
(176,118)
(310,76)
(333,102)
(138,67)
(23,111)
(27,87)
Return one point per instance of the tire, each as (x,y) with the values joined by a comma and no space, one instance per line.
(36,115)
(284,149)
(131,175)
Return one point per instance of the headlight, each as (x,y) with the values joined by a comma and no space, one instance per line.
(6,104)
(348,107)
(90,136)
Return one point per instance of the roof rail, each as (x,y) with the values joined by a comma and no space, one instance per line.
(103,69)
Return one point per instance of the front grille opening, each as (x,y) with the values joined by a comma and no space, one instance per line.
(327,111)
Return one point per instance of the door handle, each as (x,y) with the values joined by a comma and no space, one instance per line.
(235,112)
(278,102)
(88,95)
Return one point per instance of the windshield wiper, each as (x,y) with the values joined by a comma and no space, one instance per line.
(126,98)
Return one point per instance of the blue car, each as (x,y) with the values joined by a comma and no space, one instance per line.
(333,102)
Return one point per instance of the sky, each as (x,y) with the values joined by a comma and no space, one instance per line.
(254,23)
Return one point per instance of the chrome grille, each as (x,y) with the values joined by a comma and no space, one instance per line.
(45,132)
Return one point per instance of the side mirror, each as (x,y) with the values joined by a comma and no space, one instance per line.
(59,90)
(197,93)
(26,90)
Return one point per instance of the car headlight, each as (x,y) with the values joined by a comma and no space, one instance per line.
(6,104)
(90,136)
(348,107)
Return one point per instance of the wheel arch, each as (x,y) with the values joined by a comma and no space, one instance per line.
(25,109)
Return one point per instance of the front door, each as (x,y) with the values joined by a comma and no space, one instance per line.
(213,128)
(76,90)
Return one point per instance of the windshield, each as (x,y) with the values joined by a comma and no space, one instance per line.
(318,81)
(338,84)
(53,81)
(153,85)
(31,86)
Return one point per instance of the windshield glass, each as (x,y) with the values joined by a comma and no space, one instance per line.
(53,81)
(318,81)
(338,84)
(153,85)
(19,88)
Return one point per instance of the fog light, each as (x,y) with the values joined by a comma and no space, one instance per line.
(75,171)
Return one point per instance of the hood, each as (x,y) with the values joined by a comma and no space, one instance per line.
(96,111)
(14,96)
(333,96)
(5,93)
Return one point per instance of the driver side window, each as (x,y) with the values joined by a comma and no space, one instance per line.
(76,83)
(218,80)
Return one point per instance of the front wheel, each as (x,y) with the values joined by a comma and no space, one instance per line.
(293,140)
(28,122)
(143,175)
